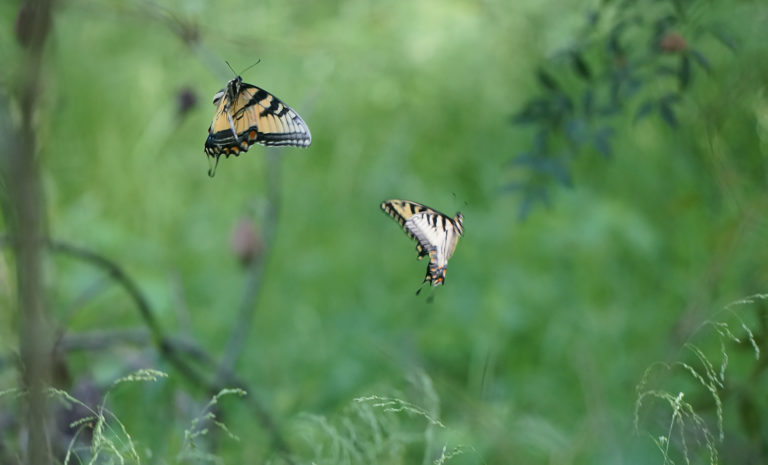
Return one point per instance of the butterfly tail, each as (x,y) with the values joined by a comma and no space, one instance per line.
(212,170)
(435,276)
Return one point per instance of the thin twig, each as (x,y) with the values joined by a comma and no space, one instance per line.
(117,274)
(238,335)
(180,304)
(102,339)
(254,278)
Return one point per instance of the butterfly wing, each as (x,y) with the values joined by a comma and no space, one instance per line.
(402,211)
(442,234)
(247,114)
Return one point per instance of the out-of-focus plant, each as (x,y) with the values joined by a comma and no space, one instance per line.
(629,58)
(687,401)
(383,430)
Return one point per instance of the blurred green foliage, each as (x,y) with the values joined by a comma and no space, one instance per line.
(544,327)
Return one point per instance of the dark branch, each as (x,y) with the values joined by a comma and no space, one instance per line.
(140,337)
(171,348)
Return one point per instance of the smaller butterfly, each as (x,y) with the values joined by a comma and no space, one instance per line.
(246,114)
(435,233)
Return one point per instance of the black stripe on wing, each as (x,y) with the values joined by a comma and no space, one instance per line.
(402,211)
(424,246)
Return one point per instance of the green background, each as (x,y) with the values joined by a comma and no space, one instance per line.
(534,346)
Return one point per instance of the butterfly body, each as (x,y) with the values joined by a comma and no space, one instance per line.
(246,114)
(436,234)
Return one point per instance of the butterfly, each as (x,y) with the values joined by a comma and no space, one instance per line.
(246,114)
(435,233)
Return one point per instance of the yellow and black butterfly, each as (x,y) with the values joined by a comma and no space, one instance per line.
(246,114)
(435,233)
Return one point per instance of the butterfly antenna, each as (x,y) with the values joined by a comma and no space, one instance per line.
(212,171)
(230,67)
(455,198)
(246,69)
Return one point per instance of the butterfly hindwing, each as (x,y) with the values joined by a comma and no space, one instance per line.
(435,233)
(246,114)
(420,227)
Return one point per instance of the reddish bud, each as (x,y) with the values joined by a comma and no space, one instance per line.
(186,100)
(672,42)
(246,242)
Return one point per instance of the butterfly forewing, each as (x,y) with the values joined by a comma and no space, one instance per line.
(275,122)
(402,211)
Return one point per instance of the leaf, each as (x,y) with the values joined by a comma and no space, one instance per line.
(540,164)
(513,187)
(545,165)
(614,40)
(576,130)
(559,171)
(633,86)
(725,38)
(661,25)
(564,104)
(602,141)
(645,109)
(701,60)
(525,158)
(593,16)
(611,109)
(581,67)
(666,70)
(546,80)
(533,195)
(670,98)
(588,102)
(684,72)
(535,110)
(615,98)
(540,139)
(668,114)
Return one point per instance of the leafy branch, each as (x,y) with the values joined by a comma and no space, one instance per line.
(630,57)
